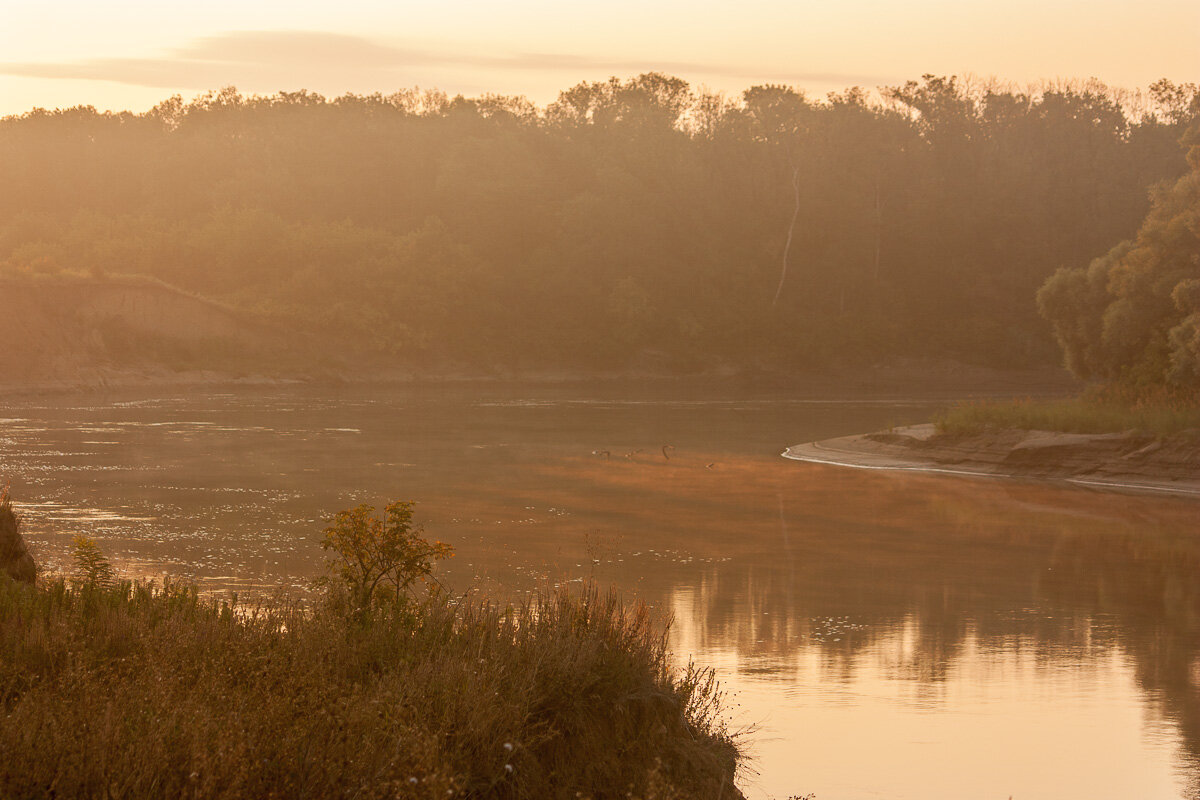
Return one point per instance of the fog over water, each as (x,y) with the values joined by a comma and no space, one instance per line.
(886,634)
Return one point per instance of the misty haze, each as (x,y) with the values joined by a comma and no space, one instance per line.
(642,439)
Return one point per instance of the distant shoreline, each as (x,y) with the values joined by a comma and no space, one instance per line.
(85,334)
(1127,461)
(924,378)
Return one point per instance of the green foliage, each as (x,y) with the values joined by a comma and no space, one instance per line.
(91,567)
(1133,316)
(1184,338)
(379,559)
(139,691)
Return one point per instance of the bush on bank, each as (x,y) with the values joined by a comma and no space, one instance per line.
(131,690)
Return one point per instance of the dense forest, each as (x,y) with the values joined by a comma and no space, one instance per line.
(630,224)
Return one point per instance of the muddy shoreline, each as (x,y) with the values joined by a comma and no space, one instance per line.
(1129,461)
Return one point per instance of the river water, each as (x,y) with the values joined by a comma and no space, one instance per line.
(880,634)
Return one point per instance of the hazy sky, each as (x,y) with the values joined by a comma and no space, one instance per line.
(128,54)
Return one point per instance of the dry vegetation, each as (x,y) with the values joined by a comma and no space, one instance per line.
(1158,412)
(116,689)
(131,690)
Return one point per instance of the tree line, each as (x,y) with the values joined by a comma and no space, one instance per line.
(630,222)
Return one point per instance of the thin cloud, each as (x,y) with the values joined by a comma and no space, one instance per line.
(285,57)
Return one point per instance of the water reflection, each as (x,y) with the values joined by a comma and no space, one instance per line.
(1027,620)
(894,634)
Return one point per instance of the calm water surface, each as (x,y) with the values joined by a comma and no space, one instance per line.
(886,634)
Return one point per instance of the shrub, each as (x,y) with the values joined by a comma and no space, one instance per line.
(379,559)
(91,567)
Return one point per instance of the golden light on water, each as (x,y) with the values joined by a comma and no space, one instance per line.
(935,636)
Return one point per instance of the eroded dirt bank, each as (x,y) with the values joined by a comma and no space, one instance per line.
(1127,460)
(58,333)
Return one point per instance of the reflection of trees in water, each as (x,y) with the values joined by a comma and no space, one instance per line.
(767,616)
(1151,589)
(1132,562)
(1011,568)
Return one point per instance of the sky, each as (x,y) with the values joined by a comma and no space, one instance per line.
(131,54)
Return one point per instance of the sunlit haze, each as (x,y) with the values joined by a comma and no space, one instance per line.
(129,55)
(807,393)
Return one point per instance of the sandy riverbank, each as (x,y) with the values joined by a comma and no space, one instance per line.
(1130,460)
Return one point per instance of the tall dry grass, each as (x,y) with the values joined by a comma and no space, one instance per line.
(139,691)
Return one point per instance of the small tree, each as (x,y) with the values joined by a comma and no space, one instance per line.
(90,564)
(381,559)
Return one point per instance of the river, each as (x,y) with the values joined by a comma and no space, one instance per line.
(879,634)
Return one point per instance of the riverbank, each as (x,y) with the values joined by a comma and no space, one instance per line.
(136,691)
(1130,460)
(69,333)
(898,378)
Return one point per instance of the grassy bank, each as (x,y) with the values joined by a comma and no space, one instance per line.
(1099,411)
(129,691)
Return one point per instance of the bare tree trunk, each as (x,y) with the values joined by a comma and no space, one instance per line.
(791,229)
(878,226)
